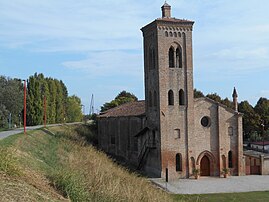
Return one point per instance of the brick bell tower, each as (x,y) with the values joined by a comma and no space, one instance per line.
(168,70)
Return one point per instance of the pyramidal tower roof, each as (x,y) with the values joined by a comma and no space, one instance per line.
(166,4)
(235,93)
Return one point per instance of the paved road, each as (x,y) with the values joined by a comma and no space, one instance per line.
(20,130)
(207,185)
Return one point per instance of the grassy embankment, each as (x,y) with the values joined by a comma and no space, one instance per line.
(59,165)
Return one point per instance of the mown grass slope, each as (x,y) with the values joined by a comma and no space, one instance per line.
(57,164)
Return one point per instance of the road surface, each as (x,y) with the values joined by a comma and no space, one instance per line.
(20,130)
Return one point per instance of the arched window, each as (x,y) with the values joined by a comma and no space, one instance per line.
(170,97)
(150,99)
(175,34)
(166,34)
(152,63)
(178,58)
(181,97)
(171,34)
(155,99)
(230,159)
(178,162)
(171,58)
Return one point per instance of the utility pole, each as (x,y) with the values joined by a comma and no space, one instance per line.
(24,111)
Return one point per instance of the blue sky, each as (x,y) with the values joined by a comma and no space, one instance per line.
(95,47)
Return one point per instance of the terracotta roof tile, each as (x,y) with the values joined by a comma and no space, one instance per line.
(136,108)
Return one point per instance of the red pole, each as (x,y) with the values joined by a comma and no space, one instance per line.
(45,111)
(24,120)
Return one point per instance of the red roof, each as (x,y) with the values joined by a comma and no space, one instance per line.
(136,108)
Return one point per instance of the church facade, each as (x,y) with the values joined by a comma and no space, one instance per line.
(172,133)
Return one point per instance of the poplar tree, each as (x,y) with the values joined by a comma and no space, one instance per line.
(74,113)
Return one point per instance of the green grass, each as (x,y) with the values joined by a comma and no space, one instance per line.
(58,164)
(226,197)
(8,162)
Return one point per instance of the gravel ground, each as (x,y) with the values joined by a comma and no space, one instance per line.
(207,185)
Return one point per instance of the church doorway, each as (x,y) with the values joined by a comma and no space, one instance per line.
(205,166)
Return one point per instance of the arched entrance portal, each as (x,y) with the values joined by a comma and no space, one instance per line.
(205,166)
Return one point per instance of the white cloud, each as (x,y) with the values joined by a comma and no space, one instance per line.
(109,63)
(237,53)
(61,24)
(231,38)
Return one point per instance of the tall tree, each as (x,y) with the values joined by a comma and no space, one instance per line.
(198,93)
(227,103)
(214,96)
(65,96)
(3,116)
(38,87)
(251,120)
(35,101)
(262,108)
(56,94)
(51,104)
(74,113)
(121,98)
(11,97)
(59,103)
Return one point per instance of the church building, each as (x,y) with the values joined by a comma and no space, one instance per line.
(171,132)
